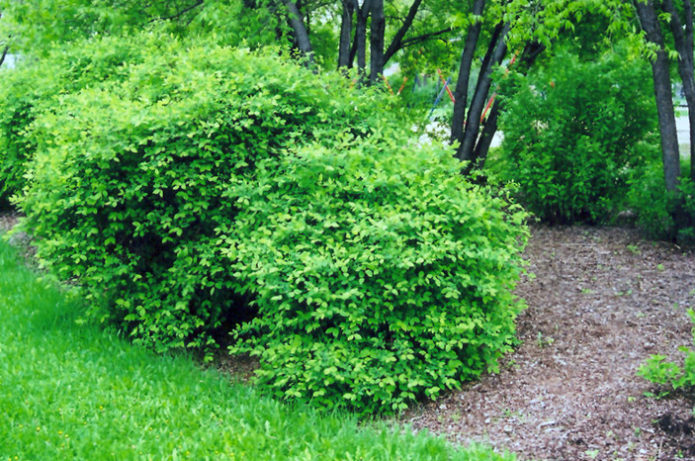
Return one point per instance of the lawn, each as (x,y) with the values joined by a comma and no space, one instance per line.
(72,391)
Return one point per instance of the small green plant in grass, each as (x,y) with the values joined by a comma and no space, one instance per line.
(670,374)
(634,249)
(544,341)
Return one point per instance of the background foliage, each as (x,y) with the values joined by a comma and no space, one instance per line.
(573,131)
(663,215)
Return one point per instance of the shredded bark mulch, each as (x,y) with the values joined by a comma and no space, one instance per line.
(601,302)
(20,240)
(7,221)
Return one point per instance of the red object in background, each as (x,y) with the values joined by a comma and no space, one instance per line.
(446,85)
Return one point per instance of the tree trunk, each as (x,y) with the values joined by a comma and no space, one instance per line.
(683,38)
(662,92)
(470,134)
(346,33)
(461,91)
(300,32)
(376,43)
(482,147)
(4,54)
(361,36)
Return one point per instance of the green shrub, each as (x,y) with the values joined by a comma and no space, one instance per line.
(182,194)
(660,214)
(37,85)
(659,371)
(573,132)
(128,188)
(380,275)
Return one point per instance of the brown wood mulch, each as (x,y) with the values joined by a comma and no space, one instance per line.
(600,302)
(7,221)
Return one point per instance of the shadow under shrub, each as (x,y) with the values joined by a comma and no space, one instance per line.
(573,132)
(381,277)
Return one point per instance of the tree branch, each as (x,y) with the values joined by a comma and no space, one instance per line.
(470,132)
(344,51)
(396,43)
(180,13)
(300,32)
(424,37)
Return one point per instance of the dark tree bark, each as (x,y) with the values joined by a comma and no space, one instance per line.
(683,38)
(488,58)
(4,55)
(376,42)
(397,42)
(461,90)
(470,133)
(346,33)
(360,44)
(300,32)
(482,147)
(179,13)
(662,92)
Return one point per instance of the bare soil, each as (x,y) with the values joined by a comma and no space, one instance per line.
(602,300)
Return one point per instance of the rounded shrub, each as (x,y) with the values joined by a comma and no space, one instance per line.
(573,132)
(380,275)
(127,190)
(207,182)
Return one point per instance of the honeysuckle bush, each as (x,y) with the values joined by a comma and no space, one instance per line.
(380,275)
(126,190)
(36,86)
(574,132)
(211,181)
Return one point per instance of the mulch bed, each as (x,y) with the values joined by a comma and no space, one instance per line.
(8,221)
(601,302)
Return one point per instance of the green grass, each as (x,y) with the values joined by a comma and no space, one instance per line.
(70,391)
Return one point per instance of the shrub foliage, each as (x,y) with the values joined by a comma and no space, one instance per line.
(572,134)
(128,189)
(662,214)
(379,275)
(36,87)
(206,181)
